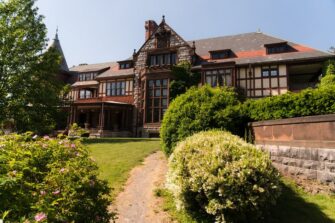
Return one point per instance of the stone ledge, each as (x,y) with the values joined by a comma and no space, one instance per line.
(299,120)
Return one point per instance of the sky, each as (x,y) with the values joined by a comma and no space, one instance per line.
(96,31)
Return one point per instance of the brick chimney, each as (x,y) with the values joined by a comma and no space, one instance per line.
(150,27)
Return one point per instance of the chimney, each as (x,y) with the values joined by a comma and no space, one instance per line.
(150,27)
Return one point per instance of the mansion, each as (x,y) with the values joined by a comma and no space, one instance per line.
(129,97)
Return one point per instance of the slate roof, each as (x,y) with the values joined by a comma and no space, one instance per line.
(56,44)
(92,67)
(114,71)
(249,48)
(85,83)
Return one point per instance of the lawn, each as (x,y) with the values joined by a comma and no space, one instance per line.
(116,157)
(294,205)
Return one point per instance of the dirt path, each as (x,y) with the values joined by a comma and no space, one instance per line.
(137,203)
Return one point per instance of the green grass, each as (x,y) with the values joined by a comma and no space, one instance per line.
(116,157)
(294,205)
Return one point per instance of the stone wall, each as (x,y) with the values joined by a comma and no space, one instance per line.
(303,147)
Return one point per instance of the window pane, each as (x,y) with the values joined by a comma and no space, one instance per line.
(156,115)
(214,81)
(164,103)
(165,82)
(265,73)
(156,102)
(149,115)
(152,60)
(164,92)
(167,59)
(88,94)
(158,93)
(209,80)
(228,80)
(158,83)
(215,71)
(173,58)
(151,93)
(274,72)
(151,83)
(150,103)
(82,94)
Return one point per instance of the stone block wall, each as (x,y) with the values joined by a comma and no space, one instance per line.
(302,147)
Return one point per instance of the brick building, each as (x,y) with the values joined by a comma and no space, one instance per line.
(129,97)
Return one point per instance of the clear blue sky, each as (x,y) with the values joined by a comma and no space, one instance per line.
(94,31)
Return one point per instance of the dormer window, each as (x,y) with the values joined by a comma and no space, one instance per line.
(277,48)
(221,54)
(125,65)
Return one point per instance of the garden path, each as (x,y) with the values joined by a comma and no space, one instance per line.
(137,203)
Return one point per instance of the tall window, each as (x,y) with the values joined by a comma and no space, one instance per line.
(163,59)
(119,88)
(85,94)
(87,76)
(157,100)
(219,77)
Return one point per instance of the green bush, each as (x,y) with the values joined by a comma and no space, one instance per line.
(53,180)
(197,110)
(308,102)
(220,174)
(328,78)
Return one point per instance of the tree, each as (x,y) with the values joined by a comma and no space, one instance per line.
(29,89)
(184,79)
(328,78)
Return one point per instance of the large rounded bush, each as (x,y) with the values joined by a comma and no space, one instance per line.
(223,176)
(51,180)
(200,109)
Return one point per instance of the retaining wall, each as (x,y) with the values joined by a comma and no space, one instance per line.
(303,147)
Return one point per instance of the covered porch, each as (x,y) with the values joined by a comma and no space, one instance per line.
(104,119)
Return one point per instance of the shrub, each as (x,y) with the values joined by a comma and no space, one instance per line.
(52,179)
(328,78)
(76,131)
(222,175)
(307,102)
(197,110)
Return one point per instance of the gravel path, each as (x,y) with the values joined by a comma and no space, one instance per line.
(137,203)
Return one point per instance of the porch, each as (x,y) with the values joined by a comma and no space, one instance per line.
(104,119)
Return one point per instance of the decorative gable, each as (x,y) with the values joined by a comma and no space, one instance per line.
(163,40)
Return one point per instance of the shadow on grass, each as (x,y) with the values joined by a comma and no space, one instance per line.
(116,140)
(291,207)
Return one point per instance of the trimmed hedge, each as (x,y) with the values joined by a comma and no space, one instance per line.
(197,110)
(50,180)
(220,174)
(308,102)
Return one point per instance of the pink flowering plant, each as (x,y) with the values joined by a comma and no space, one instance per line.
(45,180)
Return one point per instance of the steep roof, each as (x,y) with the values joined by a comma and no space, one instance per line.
(56,44)
(250,48)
